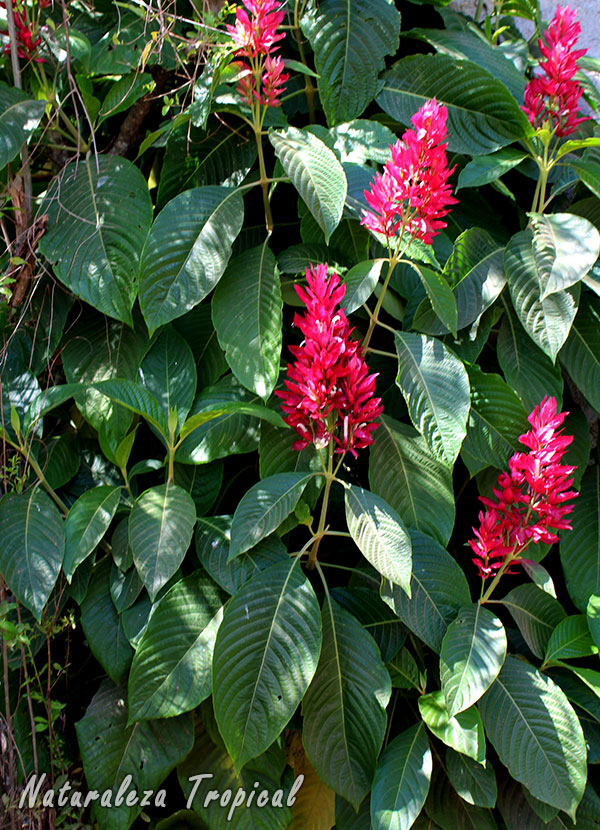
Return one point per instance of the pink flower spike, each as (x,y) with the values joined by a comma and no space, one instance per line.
(552,99)
(413,190)
(257,35)
(273,81)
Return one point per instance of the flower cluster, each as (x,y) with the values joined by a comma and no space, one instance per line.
(27,36)
(413,192)
(329,392)
(553,98)
(531,499)
(255,37)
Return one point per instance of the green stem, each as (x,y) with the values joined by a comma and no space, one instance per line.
(375,315)
(330,478)
(264,181)
(371,350)
(42,479)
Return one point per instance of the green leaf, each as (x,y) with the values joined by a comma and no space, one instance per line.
(137,398)
(256,690)
(482,170)
(208,758)
(32,547)
(474,783)
(19,117)
(202,483)
(441,297)
(187,251)
(588,171)
(122,94)
(581,353)
(99,215)
(103,627)
(475,270)
(576,144)
(168,372)
(404,672)
(379,535)
(161,524)
(435,385)
(61,459)
(593,618)
(570,639)
(197,329)
(46,401)
(247,314)
(360,282)
(344,707)
(536,734)
(452,813)
(86,524)
(111,750)
(536,613)
(526,368)
(350,41)
(438,589)
(359,140)
(516,807)
(376,617)
(172,667)
(496,420)
(402,780)
(580,547)
(540,576)
(232,408)
(410,479)
(316,174)
(547,321)
(234,431)
(212,546)
(482,114)
(463,731)
(565,247)
(473,651)
(125,588)
(263,508)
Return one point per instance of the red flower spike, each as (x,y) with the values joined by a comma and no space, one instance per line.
(329,394)
(273,81)
(552,99)
(257,35)
(530,499)
(413,189)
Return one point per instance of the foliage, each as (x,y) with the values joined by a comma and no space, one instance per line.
(282,284)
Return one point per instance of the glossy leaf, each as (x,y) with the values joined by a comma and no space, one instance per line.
(19,117)
(360,282)
(473,782)
(402,781)
(86,524)
(161,524)
(99,215)
(565,248)
(265,656)
(483,170)
(463,731)
(570,639)
(168,372)
(580,547)
(581,353)
(473,650)
(536,613)
(247,314)
(537,735)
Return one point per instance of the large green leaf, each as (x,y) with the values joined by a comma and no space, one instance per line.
(547,321)
(32,547)
(187,250)
(247,314)
(580,547)
(537,734)
(485,169)
(565,248)
(111,750)
(463,731)
(449,812)
(172,667)
(169,373)
(316,174)
(526,368)
(378,619)
(136,398)
(438,589)
(473,650)
(231,433)
(581,353)
(496,420)
(402,780)
(482,114)
(435,385)
(350,39)
(475,271)
(19,116)
(408,477)
(161,524)
(536,613)
(593,618)
(379,535)
(212,545)
(360,283)
(99,214)
(570,639)
(103,627)
(263,508)
(265,656)
(208,767)
(344,707)
(86,524)
(473,782)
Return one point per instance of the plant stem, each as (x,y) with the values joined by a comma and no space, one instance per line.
(264,181)
(330,478)
(375,315)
